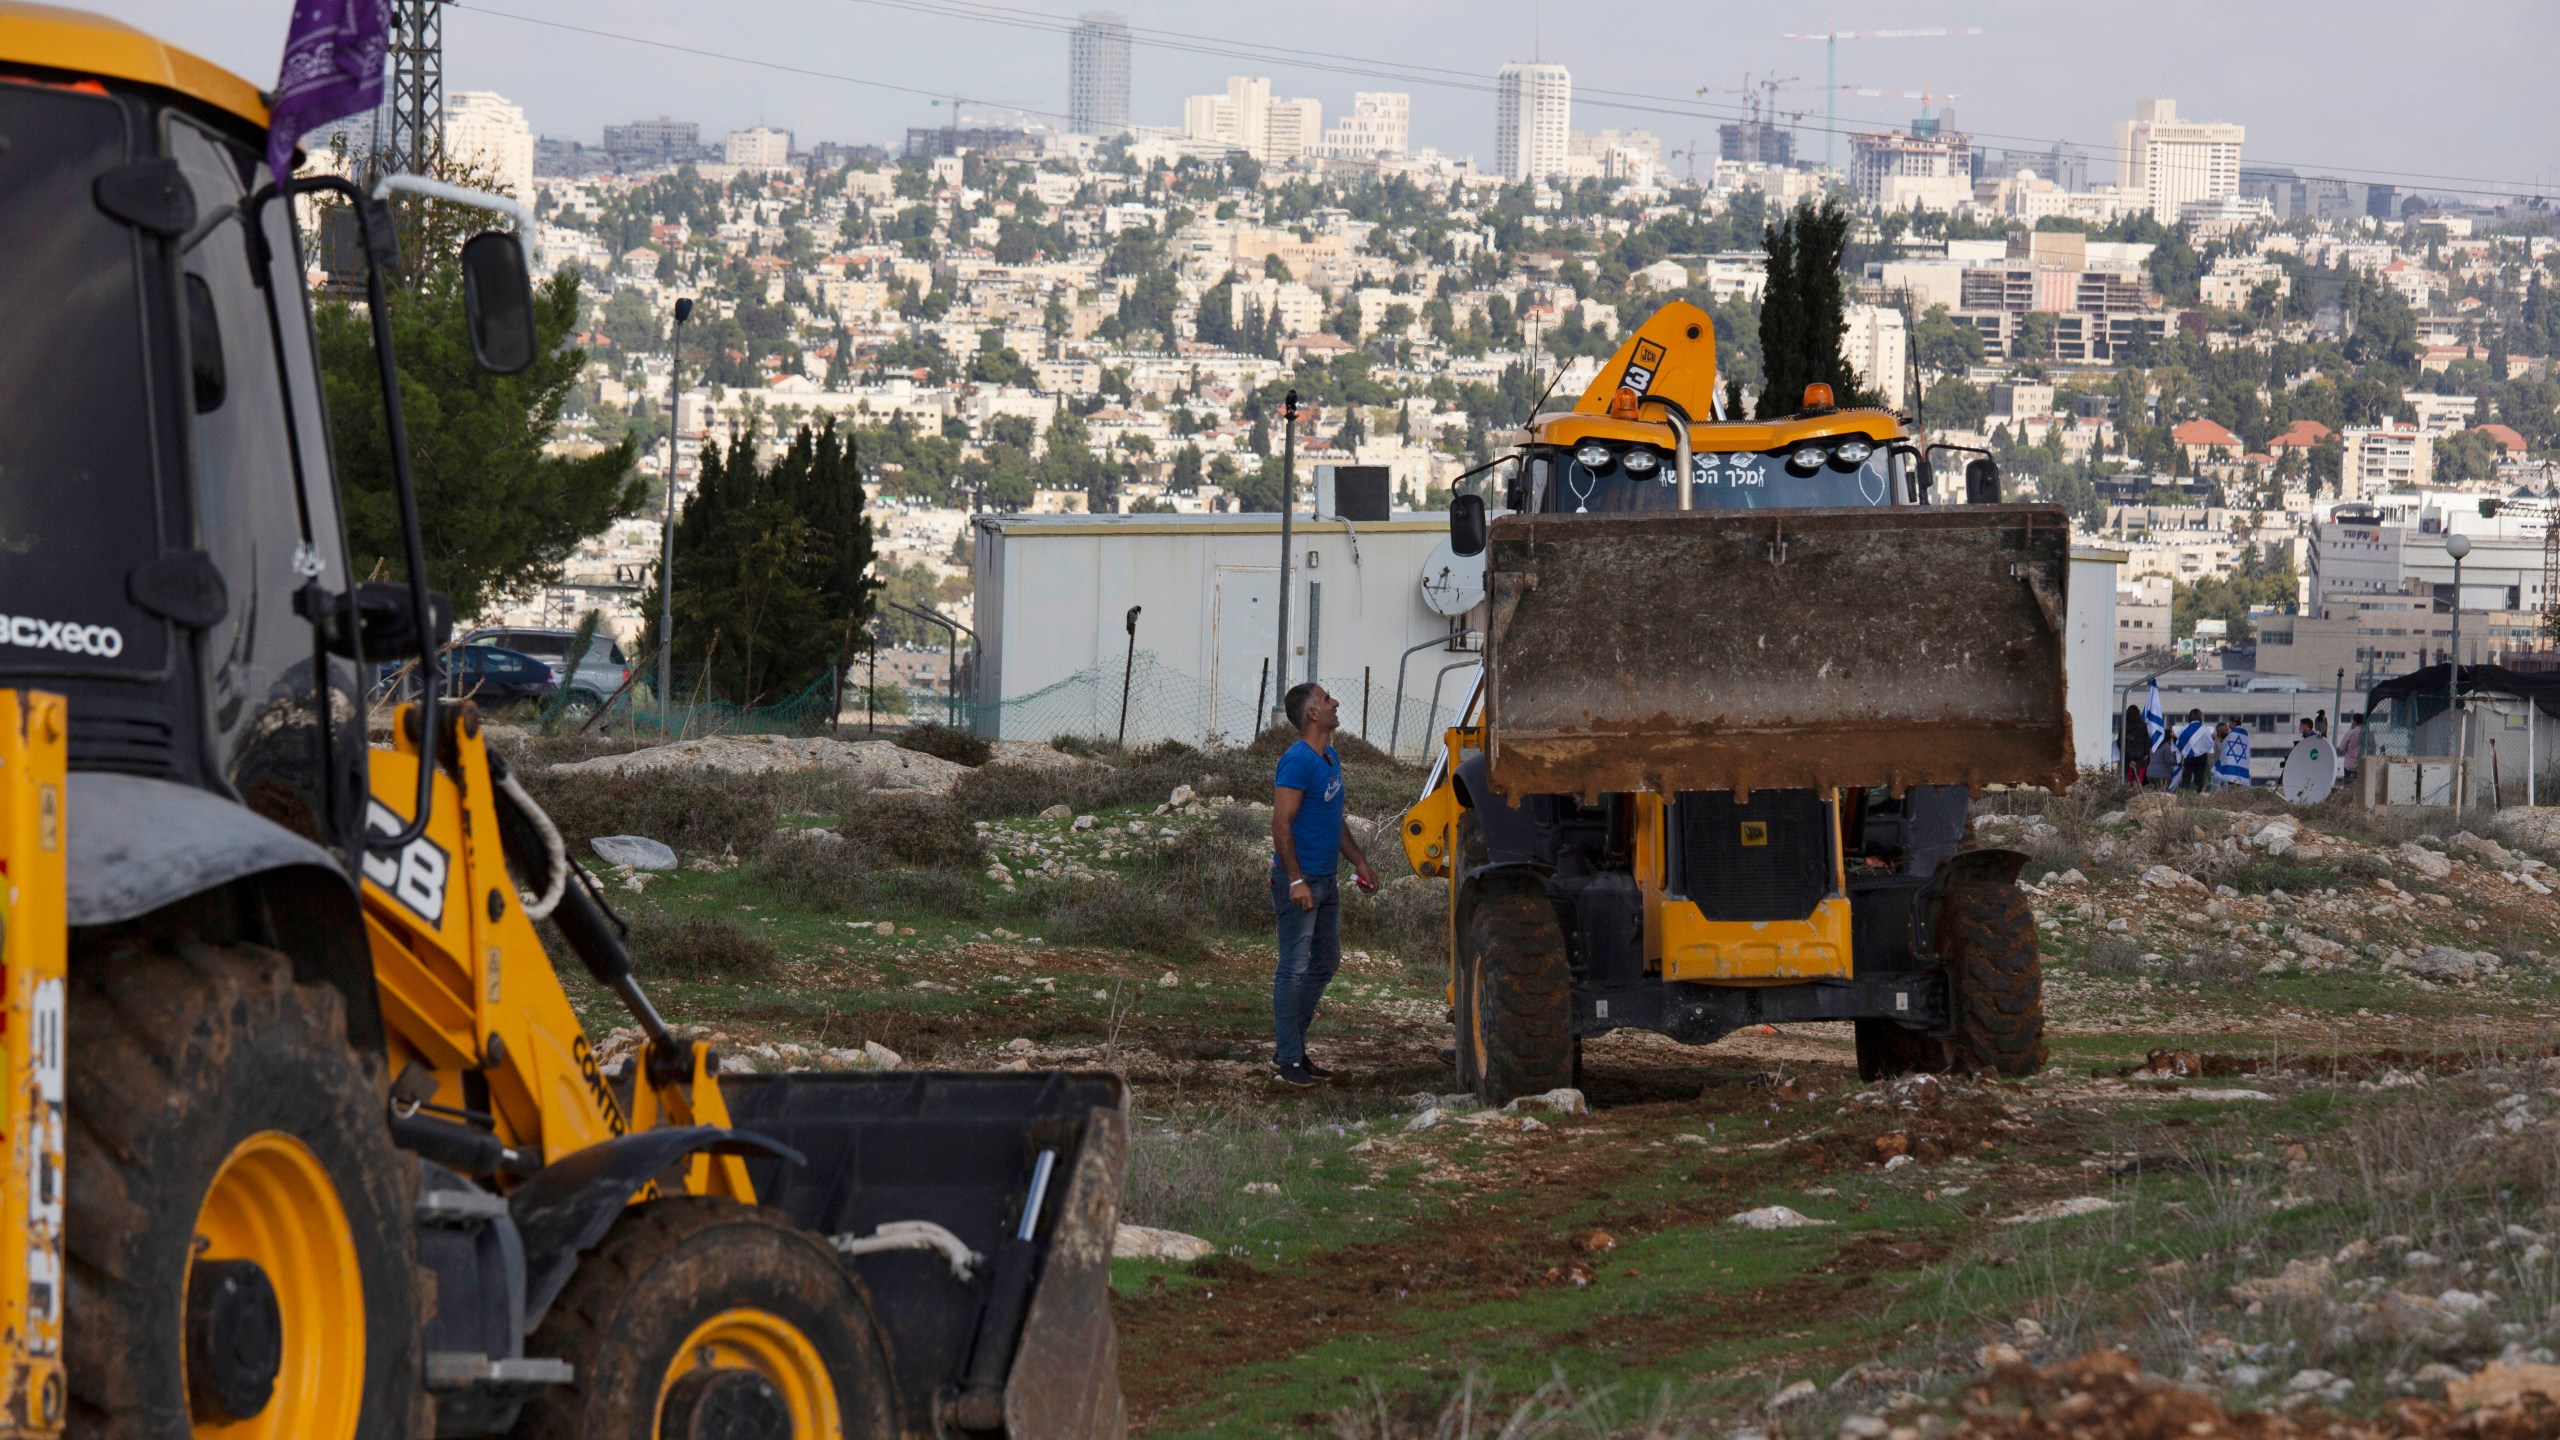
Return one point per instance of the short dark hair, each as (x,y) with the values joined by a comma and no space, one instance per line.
(2195,714)
(1295,703)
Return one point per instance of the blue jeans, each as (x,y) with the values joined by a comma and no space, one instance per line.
(1310,951)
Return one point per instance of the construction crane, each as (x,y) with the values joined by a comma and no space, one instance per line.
(1753,133)
(1831,39)
(2543,508)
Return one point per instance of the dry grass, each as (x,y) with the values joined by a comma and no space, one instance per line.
(917,831)
(694,813)
(698,949)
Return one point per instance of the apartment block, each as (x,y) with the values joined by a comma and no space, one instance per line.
(1533,121)
(1380,124)
(2171,161)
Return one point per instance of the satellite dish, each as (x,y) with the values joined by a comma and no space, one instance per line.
(2311,771)
(1452,584)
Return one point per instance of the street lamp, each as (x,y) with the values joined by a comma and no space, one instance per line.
(2456,546)
(667,529)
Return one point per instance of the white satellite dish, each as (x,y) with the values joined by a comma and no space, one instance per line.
(1452,584)
(2311,771)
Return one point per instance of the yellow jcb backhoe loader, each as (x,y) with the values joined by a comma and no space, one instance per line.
(303,1139)
(1737,680)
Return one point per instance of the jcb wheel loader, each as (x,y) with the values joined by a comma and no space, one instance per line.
(1738,681)
(302,1137)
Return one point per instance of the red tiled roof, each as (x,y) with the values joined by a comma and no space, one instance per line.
(2202,432)
(2305,433)
(2502,436)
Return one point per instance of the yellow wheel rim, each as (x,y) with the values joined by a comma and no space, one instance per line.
(272,1203)
(759,1340)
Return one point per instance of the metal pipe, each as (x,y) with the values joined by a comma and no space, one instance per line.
(1680,449)
(1395,728)
(667,524)
(1288,477)
(1444,675)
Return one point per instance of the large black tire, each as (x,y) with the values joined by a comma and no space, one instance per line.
(1515,999)
(667,1269)
(182,1053)
(1995,979)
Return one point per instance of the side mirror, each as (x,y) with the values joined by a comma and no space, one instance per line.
(1982,482)
(1467,525)
(379,614)
(497,296)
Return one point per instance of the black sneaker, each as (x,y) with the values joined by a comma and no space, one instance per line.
(1300,1074)
(1317,1070)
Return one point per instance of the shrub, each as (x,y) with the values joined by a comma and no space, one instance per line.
(1408,919)
(686,810)
(1124,913)
(994,792)
(918,830)
(695,948)
(943,742)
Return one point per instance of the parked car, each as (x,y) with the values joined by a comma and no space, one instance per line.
(599,678)
(488,674)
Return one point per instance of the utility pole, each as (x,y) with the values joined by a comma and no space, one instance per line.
(409,128)
(1288,474)
(667,528)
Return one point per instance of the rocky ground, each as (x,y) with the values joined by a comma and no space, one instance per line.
(2294,1169)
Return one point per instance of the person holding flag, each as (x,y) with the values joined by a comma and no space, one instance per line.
(2195,753)
(2232,768)
(2154,761)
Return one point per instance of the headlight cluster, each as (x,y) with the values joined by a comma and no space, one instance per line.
(1848,455)
(1599,459)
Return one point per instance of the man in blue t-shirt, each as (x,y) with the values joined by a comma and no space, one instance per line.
(1307,836)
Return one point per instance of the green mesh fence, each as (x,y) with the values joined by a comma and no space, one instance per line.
(1163,703)
(696,714)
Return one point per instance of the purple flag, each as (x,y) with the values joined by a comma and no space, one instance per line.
(332,69)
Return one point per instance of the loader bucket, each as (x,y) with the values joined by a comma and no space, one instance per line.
(1765,649)
(1025,1347)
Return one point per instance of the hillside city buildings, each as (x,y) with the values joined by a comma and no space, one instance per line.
(1096,318)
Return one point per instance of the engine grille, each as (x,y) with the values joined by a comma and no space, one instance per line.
(1766,860)
(138,741)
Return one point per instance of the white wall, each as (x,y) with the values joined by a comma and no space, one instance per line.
(2089,655)
(1053,593)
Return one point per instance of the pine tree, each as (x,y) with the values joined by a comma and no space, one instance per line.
(1804,311)
(773,569)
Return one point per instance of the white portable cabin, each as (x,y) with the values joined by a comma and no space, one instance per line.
(1054,593)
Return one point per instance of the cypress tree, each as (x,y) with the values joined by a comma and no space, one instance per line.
(1804,310)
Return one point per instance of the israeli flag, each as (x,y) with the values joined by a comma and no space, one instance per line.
(2232,766)
(2151,716)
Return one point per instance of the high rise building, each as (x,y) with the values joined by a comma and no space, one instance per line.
(1928,167)
(480,126)
(762,148)
(2169,161)
(1380,123)
(1098,74)
(1532,120)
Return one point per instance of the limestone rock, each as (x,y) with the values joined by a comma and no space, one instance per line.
(637,851)
(1146,1242)
(880,763)
(2425,861)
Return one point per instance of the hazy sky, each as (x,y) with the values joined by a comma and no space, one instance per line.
(2453,88)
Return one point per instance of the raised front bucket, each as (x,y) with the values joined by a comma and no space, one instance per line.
(1024,1347)
(1766,649)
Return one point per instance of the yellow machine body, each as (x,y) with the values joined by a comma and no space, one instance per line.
(466,985)
(34,938)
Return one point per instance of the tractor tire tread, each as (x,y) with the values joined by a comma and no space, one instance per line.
(598,1312)
(1996,979)
(178,1048)
(1515,940)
